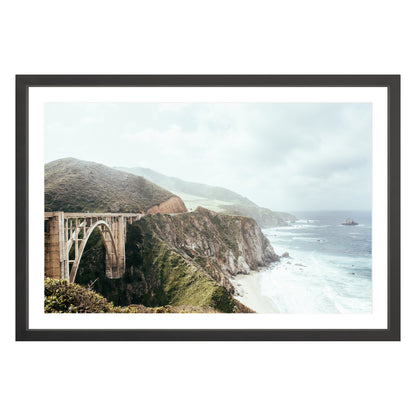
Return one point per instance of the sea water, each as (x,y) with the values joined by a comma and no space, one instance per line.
(329,265)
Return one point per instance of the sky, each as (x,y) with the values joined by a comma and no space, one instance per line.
(283,156)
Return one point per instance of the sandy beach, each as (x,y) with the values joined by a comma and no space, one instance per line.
(248,286)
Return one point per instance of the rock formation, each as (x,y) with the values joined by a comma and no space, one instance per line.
(349,221)
(222,245)
(190,259)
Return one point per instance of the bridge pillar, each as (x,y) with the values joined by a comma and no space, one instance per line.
(111,266)
(115,260)
(56,259)
(121,245)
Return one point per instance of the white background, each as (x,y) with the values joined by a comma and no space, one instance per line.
(298,37)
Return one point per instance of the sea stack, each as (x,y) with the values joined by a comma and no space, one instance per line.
(349,221)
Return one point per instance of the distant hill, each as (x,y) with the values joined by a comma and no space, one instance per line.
(191,188)
(265,217)
(74,185)
(214,198)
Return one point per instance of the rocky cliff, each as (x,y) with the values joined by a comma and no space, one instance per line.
(218,246)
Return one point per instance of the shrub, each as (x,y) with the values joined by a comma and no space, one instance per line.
(61,296)
(64,297)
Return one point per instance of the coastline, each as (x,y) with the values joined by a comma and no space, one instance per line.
(248,287)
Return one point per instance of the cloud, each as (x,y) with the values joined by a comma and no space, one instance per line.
(283,156)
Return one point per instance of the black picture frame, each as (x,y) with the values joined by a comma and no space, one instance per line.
(24,82)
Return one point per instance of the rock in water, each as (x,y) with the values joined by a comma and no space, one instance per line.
(349,221)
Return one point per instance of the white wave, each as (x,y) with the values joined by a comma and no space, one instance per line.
(314,239)
(285,234)
(305,221)
(300,226)
(309,283)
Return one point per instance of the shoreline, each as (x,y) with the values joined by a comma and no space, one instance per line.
(248,287)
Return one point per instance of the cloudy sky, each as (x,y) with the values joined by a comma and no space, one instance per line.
(288,157)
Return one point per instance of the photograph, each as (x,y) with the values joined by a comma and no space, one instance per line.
(208,208)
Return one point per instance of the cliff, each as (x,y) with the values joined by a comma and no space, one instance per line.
(74,185)
(207,245)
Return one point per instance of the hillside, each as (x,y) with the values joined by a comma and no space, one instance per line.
(74,185)
(214,198)
(191,188)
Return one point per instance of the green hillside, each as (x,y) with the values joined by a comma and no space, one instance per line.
(74,185)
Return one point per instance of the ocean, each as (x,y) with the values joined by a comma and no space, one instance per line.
(329,265)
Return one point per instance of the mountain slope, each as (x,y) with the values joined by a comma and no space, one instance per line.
(74,185)
(215,198)
(191,188)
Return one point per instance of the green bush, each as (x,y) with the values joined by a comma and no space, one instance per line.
(64,297)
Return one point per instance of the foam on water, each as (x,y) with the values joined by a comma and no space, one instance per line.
(329,269)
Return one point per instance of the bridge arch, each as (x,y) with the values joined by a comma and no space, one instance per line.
(63,230)
(110,247)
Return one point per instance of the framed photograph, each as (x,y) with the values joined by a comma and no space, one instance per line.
(208,207)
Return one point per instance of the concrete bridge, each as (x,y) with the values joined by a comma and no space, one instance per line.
(64,230)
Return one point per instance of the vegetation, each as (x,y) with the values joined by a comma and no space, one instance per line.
(77,186)
(61,296)
(64,297)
